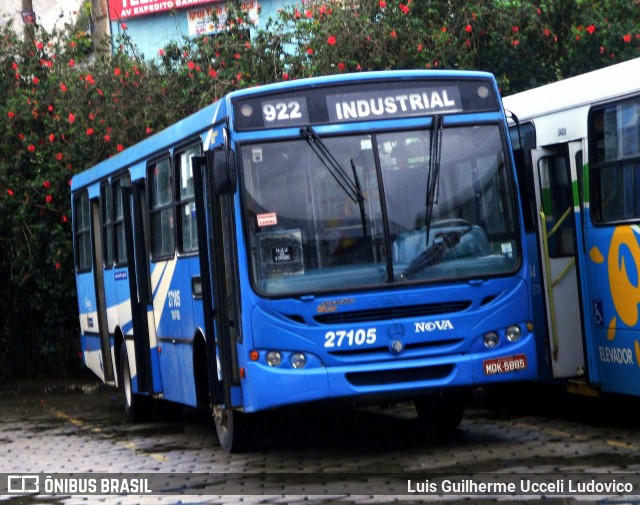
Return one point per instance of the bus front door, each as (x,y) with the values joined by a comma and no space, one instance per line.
(101,305)
(558,246)
(142,316)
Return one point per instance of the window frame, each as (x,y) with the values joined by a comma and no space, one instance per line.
(181,202)
(82,234)
(106,224)
(168,207)
(598,167)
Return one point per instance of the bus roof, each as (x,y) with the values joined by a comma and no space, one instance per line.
(202,120)
(590,88)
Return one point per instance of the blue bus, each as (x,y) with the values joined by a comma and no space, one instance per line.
(345,237)
(577,143)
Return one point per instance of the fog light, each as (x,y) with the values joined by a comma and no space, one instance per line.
(513,333)
(491,340)
(298,360)
(274,358)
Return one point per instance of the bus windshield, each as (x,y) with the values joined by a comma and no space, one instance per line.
(362,211)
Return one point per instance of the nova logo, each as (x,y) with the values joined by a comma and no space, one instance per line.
(429,326)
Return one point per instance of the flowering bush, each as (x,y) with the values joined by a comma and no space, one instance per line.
(63,112)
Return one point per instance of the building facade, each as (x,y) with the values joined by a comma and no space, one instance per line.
(152,24)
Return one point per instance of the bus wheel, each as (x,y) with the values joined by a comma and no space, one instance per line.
(233,429)
(441,413)
(137,407)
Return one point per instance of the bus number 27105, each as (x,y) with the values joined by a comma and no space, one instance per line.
(343,338)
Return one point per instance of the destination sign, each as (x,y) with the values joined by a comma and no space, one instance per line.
(389,104)
(364,101)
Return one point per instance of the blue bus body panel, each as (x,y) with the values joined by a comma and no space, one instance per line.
(437,351)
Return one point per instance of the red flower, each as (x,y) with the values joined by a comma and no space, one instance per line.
(382,4)
(160,52)
(213,73)
(116,71)
(90,131)
(48,199)
(590,29)
(285,76)
(516,42)
(59,156)
(64,219)
(308,14)
(191,65)
(310,51)
(72,118)
(90,79)
(627,38)
(404,8)
(443,29)
(35,80)
(515,29)
(10,192)
(124,26)
(11,114)
(63,87)
(393,34)
(342,66)
(468,28)
(31,148)
(58,264)
(149,130)
(52,137)
(331,40)
(72,62)
(50,108)
(46,184)
(107,138)
(39,45)
(120,147)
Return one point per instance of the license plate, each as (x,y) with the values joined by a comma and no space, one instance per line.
(507,364)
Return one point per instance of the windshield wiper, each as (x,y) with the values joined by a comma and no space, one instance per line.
(442,242)
(434,171)
(351,187)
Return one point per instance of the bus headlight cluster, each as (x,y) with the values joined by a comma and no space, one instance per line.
(275,358)
(513,334)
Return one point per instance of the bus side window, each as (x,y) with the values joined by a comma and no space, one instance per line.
(106,214)
(186,204)
(120,247)
(614,135)
(83,233)
(161,209)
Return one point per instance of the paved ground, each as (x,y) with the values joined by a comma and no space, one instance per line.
(363,455)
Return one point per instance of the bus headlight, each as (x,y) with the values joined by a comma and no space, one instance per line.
(274,358)
(513,333)
(298,360)
(490,340)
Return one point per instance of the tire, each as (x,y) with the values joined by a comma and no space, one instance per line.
(138,408)
(441,413)
(235,430)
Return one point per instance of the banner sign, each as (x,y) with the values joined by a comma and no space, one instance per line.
(213,18)
(126,9)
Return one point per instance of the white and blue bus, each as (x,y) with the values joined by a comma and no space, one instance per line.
(578,146)
(345,237)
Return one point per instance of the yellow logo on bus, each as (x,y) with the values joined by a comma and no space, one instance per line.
(625,292)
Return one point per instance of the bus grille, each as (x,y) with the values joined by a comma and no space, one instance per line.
(384,377)
(391,313)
